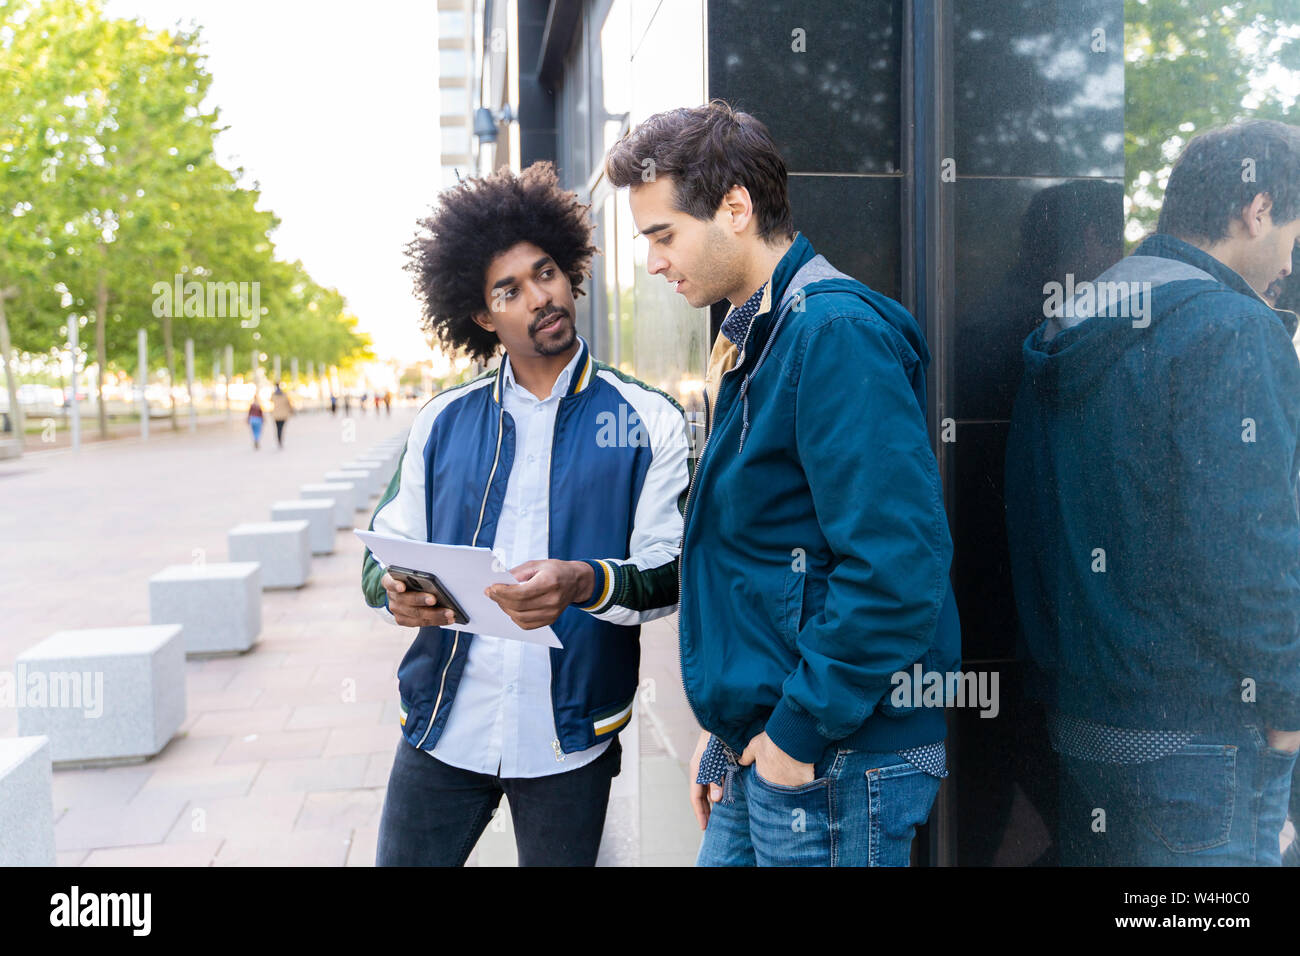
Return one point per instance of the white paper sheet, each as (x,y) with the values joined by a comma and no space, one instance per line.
(465,572)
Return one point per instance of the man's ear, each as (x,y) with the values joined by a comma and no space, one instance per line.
(484,320)
(1254,213)
(738,208)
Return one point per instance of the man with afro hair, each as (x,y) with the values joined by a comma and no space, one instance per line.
(573,474)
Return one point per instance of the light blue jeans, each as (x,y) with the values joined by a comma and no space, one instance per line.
(862,809)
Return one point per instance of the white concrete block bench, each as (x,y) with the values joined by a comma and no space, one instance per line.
(219,605)
(26,802)
(341,493)
(360,481)
(113,694)
(319,515)
(282,548)
(380,473)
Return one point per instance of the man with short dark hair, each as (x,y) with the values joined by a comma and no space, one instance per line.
(522,460)
(1152,514)
(815,549)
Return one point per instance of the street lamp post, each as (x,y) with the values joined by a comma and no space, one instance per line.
(142,356)
(189,380)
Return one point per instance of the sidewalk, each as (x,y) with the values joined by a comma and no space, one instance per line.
(285,750)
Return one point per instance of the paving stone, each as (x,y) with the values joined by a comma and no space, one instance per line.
(194,783)
(307,848)
(239,723)
(106,787)
(237,817)
(371,739)
(340,810)
(334,715)
(365,842)
(157,854)
(277,745)
(146,819)
(312,773)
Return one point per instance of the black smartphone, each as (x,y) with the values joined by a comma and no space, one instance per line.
(429,584)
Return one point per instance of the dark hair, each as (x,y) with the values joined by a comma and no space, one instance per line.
(707,150)
(1209,187)
(473,223)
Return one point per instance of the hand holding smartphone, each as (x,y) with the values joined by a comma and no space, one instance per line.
(424,582)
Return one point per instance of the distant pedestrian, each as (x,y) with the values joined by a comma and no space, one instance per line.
(347,404)
(334,403)
(255,417)
(388,402)
(377,403)
(281,409)
(365,396)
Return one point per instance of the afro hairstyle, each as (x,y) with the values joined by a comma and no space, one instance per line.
(474,222)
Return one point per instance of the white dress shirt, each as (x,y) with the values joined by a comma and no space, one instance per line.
(501,722)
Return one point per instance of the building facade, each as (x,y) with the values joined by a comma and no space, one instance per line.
(951,155)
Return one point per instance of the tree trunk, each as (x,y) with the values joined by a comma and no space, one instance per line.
(101,348)
(15,410)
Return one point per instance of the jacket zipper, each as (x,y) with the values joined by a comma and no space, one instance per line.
(699,464)
(550,465)
(456,641)
(681,548)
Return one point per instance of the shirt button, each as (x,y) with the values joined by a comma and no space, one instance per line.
(532,458)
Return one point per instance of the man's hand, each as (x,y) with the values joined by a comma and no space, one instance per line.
(544,590)
(774,765)
(702,796)
(1288,740)
(414,608)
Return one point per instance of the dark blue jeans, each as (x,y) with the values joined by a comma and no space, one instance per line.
(434,813)
(862,809)
(1221,800)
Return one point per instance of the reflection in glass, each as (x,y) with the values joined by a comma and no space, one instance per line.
(836,105)
(1069,231)
(662,340)
(1038,87)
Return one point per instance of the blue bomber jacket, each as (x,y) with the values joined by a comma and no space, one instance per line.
(618,473)
(816,549)
(1151,499)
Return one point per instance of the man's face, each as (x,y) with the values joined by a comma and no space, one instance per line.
(1266,257)
(703,261)
(529,303)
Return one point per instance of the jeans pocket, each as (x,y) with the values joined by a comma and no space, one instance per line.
(1187,798)
(789,826)
(782,788)
(900,797)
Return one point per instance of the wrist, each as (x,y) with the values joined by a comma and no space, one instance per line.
(583,582)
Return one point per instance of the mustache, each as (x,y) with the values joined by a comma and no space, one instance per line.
(546,317)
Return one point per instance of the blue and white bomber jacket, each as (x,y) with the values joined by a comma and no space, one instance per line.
(619,473)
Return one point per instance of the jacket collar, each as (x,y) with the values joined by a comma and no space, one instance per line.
(800,251)
(584,371)
(1169,247)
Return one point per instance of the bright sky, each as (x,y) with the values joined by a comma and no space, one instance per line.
(333,109)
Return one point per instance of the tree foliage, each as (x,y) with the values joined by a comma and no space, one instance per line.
(110,185)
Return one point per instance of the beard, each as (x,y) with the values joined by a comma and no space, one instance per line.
(722,263)
(562,338)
